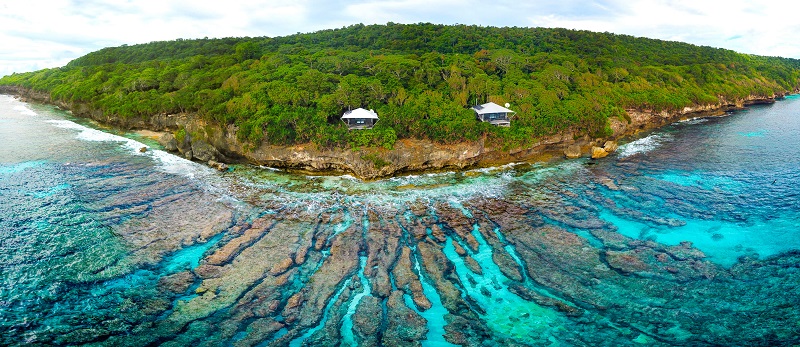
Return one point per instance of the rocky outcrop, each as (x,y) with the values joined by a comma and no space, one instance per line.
(573,152)
(202,151)
(217,165)
(602,152)
(169,142)
(598,152)
(610,146)
(639,120)
(205,142)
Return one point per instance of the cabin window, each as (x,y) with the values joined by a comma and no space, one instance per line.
(495,116)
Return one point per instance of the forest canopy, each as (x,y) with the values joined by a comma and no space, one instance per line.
(420,78)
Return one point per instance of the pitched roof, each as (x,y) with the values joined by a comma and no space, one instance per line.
(491,107)
(360,113)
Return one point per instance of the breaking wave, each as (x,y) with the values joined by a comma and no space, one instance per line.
(25,110)
(642,145)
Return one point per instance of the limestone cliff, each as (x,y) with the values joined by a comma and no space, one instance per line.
(205,142)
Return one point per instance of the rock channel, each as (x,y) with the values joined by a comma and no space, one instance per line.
(485,271)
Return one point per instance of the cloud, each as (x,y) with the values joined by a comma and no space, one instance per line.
(761,28)
(39,33)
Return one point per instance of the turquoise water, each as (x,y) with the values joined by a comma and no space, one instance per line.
(347,322)
(736,173)
(189,257)
(434,315)
(506,312)
(685,236)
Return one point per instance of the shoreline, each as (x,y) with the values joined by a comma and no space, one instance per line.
(153,135)
(213,144)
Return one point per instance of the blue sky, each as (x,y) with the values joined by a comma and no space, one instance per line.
(38,34)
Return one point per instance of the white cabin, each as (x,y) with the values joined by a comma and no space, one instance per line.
(360,118)
(494,114)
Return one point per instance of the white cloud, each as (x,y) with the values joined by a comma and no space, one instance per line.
(37,34)
(407,11)
(764,28)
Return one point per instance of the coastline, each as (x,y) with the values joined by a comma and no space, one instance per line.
(211,143)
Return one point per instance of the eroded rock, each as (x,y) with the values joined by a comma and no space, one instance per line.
(573,152)
(217,165)
(203,151)
(408,281)
(169,142)
(367,321)
(610,146)
(598,152)
(177,283)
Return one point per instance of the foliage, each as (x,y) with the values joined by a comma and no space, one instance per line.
(420,78)
(180,135)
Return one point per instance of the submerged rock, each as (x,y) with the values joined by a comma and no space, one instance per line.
(404,327)
(407,280)
(507,265)
(177,283)
(367,321)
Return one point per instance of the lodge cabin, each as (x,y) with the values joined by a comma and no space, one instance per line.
(360,119)
(494,114)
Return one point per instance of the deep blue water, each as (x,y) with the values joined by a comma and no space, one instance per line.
(91,229)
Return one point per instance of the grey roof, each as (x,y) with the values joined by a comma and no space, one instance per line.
(490,107)
(360,113)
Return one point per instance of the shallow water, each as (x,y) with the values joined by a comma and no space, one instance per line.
(687,235)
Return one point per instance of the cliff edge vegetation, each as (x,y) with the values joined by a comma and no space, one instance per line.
(420,78)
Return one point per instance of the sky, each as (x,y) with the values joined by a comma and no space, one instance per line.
(37,34)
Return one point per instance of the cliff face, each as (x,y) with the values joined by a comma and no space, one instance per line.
(643,120)
(210,142)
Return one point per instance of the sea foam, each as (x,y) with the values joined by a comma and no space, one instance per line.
(693,121)
(642,145)
(25,110)
(169,163)
(89,134)
(174,164)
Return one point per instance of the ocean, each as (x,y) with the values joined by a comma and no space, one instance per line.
(687,235)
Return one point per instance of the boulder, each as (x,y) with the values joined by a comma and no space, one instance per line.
(143,149)
(610,146)
(185,145)
(203,151)
(217,165)
(573,152)
(169,142)
(598,152)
